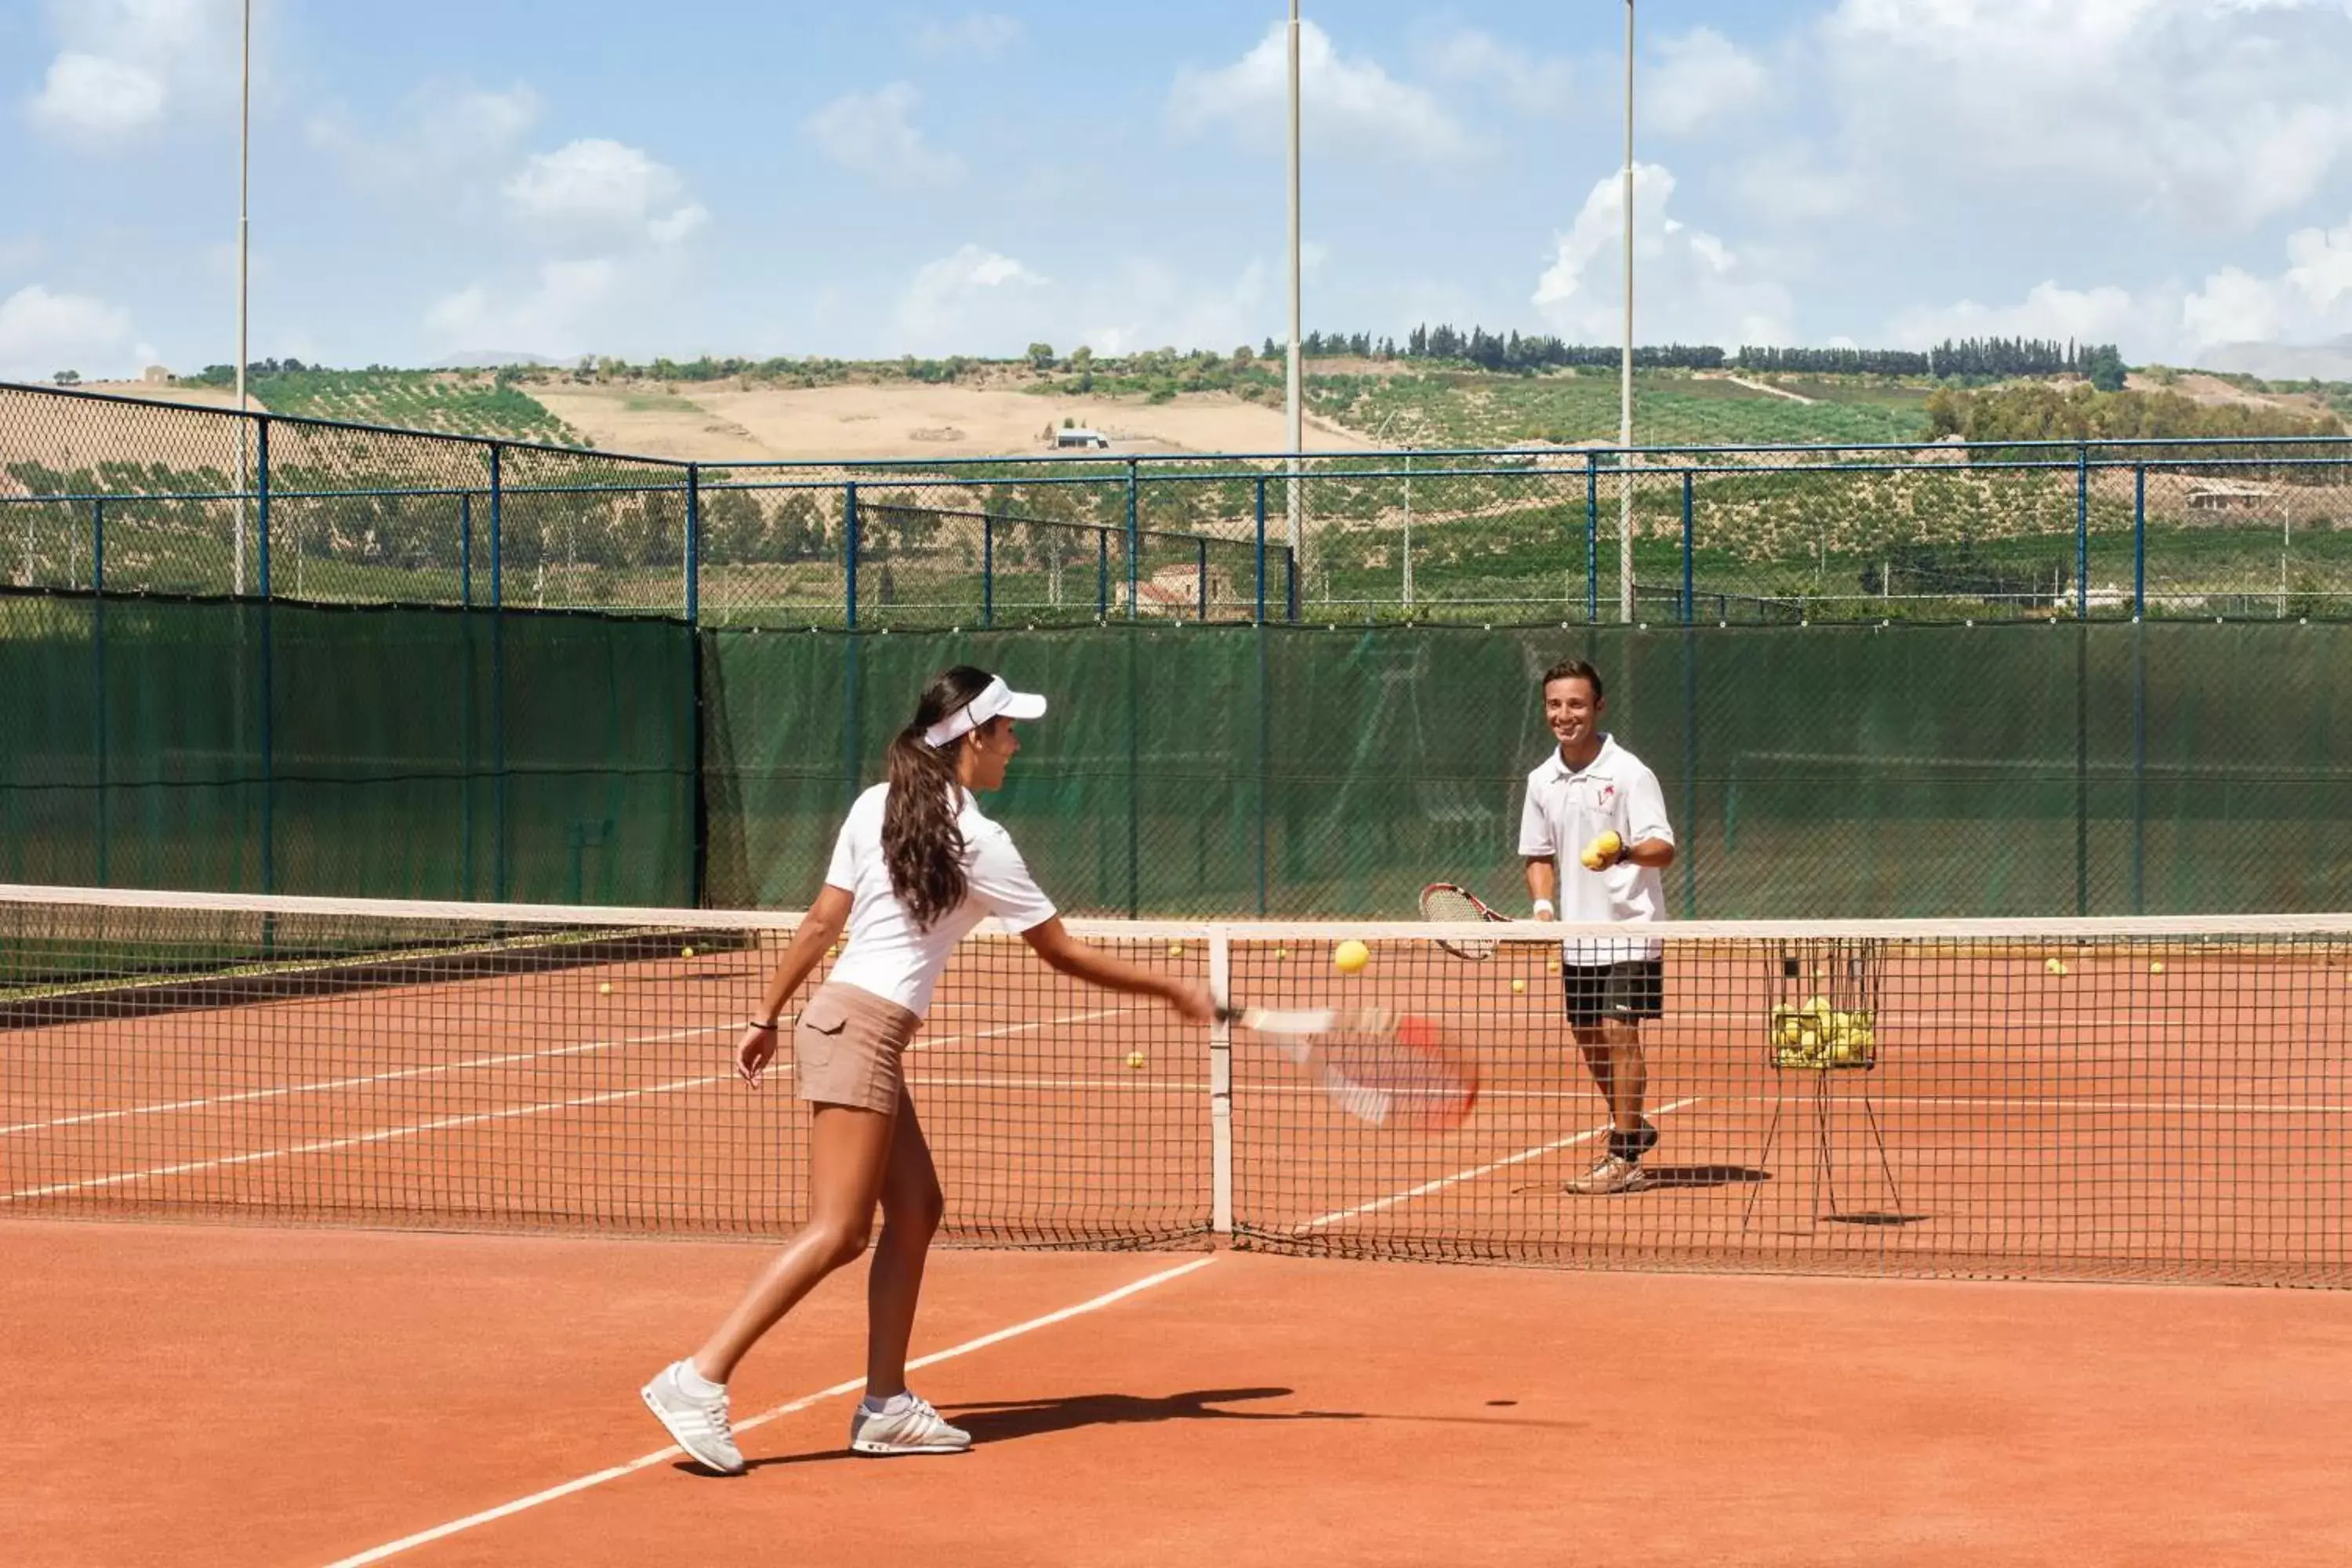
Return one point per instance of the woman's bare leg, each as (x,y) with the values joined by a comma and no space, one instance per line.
(849,1152)
(911,1207)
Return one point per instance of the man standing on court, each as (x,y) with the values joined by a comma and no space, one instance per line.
(1594,833)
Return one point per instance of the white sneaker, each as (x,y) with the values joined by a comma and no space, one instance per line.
(698,1425)
(1610,1176)
(915,1428)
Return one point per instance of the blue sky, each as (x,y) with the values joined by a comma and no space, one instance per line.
(433,178)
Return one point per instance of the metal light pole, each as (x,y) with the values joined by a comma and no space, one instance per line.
(1293,411)
(243,224)
(1625,366)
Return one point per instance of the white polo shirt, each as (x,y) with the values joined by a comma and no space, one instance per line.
(886,954)
(1567,809)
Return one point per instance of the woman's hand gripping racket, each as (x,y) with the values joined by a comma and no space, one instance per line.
(1390,1069)
(1456,905)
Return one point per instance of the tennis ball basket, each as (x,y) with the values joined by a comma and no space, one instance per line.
(1825,1015)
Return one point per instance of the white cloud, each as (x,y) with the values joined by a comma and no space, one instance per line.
(2105,314)
(1787,184)
(1701,77)
(555,314)
(981,36)
(1689,285)
(1530,84)
(123,66)
(604,186)
(1342,101)
(2309,302)
(2209,111)
(447,133)
(42,333)
(872,133)
(968,297)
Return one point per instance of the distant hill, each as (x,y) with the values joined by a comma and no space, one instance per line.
(2330,361)
(495,359)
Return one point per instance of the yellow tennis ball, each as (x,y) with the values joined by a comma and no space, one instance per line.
(1281,954)
(2055,966)
(1518,985)
(605,989)
(2157,967)
(832,952)
(1175,949)
(1792,1029)
(1135,1059)
(1350,956)
(686,952)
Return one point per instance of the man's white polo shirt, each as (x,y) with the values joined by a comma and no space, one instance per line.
(1567,809)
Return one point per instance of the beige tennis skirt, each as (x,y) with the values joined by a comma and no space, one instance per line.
(847,1045)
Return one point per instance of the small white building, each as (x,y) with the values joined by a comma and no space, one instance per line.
(1080,435)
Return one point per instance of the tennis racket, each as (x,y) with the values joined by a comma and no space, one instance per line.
(1390,1069)
(1444,902)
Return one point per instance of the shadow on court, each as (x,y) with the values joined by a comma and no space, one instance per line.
(1003,1421)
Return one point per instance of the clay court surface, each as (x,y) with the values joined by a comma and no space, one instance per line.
(202,1394)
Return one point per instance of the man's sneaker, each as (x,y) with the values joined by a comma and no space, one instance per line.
(1610,1176)
(913,1428)
(698,1425)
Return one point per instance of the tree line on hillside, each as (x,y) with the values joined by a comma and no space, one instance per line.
(2044,412)
(1966,359)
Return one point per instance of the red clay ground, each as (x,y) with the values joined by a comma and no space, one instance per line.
(202,1394)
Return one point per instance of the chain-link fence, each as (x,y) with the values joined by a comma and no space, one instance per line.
(124,495)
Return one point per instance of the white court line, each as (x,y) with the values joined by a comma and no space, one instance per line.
(449,1123)
(1472,1173)
(583,1483)
(281,1091)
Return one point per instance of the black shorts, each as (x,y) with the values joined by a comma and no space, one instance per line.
(1630,990)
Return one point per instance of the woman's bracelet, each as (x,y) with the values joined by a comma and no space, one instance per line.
(769,1025)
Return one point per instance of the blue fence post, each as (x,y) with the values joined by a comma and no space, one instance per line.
(261,504)
(987,570)
(465,548)
(498,530)
(98,682)
(1688,536)
(1102,573)
(1261,567)
(1592,536)
(1202,545)
(1134,546)
(2139,540)
(693,544)
(849,554)
(2082,532)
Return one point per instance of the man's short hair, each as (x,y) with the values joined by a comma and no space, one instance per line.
(1575,669)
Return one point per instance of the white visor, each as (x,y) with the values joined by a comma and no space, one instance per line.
(996,700)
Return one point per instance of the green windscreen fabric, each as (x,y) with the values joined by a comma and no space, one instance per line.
(366,752)
(1809,770)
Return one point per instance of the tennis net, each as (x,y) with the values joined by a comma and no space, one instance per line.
(2161,1099)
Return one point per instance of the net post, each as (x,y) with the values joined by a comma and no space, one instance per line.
(1220,1087)
(98,677)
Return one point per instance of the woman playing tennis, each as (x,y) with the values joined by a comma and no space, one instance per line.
(916,868)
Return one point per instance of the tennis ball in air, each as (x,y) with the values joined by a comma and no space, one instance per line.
(1135,1059)
(2157,967)
(1281,954)
(1518,985)
(1350,956)
(2055,966)
(686,952)
(1175,949)
(605,989)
